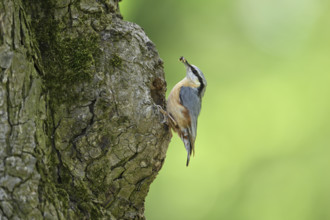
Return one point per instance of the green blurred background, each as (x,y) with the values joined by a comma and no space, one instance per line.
(262,149)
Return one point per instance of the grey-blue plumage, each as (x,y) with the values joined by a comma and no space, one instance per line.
(189,98)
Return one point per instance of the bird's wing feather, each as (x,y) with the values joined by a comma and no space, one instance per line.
(189,98)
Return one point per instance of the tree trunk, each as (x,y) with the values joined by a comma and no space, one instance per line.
(80,134)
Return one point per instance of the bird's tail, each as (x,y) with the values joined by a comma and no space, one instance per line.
(188,145)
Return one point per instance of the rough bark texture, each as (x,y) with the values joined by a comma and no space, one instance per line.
(80,135)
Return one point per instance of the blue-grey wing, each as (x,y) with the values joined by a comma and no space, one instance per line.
(189,98)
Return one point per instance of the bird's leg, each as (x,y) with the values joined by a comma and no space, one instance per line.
(166,115)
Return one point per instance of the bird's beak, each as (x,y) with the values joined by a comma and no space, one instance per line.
(184,61)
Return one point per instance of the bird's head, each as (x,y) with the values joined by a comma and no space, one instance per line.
(194,73)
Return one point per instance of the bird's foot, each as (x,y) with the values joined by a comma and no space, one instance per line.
(161,110)
(167,116)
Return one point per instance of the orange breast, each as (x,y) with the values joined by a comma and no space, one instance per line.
(175,108)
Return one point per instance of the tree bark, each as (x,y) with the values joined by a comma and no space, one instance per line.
(80,134)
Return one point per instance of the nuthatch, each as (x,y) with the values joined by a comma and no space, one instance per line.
(184,105)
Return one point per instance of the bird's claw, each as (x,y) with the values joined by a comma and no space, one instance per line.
(167,116)
(161,110)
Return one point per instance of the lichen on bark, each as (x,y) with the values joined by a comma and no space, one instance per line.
(81,134)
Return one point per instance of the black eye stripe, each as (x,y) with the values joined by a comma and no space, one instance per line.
(194,70)
(201,87)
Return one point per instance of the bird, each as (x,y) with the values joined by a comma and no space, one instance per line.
(184,105)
